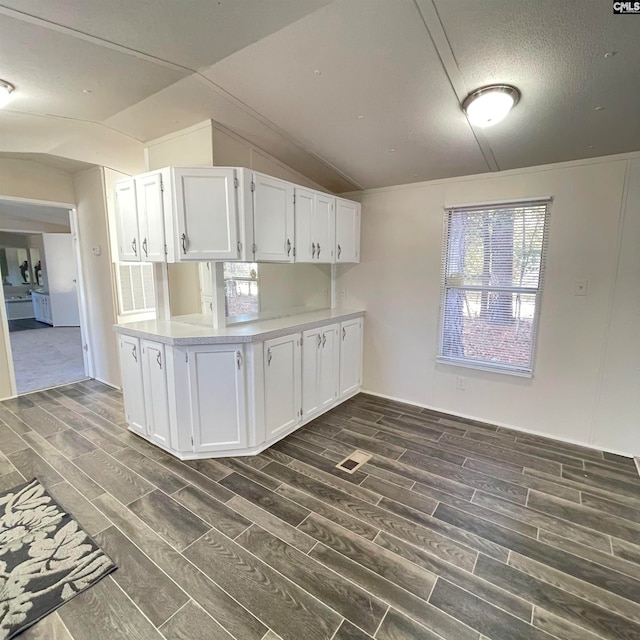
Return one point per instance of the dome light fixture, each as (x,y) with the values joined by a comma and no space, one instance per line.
(489,105)
(6,88)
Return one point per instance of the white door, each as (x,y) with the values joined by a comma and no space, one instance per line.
(132,387)
(273,219)
(311,348)
(218,397)
(347,231)
(282,384)
(350,356)
(150,217)
(304,209)
(207,214)
(62,279)
(155,392)
(127,221)
(329,367)
(325,228)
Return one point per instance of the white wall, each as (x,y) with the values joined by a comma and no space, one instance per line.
(34,181)
(91,188)
(580,338)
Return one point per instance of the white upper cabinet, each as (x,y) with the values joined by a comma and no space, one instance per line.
(206,212)
(273,220)
(150,210)
(347,231)
(315,226)
(127,221)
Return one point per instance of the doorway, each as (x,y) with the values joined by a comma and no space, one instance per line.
(41,296)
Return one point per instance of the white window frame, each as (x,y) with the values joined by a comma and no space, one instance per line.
(478,364)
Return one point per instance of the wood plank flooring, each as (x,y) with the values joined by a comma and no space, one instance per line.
(454,530)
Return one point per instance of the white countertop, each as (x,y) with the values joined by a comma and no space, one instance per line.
(181,333)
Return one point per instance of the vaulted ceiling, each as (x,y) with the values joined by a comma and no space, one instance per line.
(352,93)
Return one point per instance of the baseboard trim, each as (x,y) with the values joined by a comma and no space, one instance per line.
(637,461)
(580,443)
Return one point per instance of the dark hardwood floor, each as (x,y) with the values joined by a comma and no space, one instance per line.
(454,529)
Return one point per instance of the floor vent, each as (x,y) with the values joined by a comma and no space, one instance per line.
(354,461)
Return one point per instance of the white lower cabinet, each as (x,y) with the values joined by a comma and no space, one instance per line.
(320,362)
(282,384)
(200,401)
(218,397)
(132,385)
(156,393)
(350,357)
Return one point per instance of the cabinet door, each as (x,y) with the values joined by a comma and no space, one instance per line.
(273,219)
(127,222)
(329,366)
(207,214)
(347,231)
(150,217)
(325,228)
(154,376)
(218,397)
(311,349)
(132,387)
(350,356)
(282,384)
(304,209)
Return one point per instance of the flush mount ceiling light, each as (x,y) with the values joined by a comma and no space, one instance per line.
(5,92)
(489,105)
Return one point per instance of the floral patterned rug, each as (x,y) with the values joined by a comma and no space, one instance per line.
(45,558)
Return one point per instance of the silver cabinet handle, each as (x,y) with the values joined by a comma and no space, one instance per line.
(288,247)
(324,339)
(159,359)
(134,246)
(134,353)
(318,250)
(183,237)
(339,251)
(313,249)
(238,359)
(239,247)
(344,333)
(269,357)
(319,340)
(144,247)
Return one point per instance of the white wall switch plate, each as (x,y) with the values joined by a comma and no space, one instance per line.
(96,250)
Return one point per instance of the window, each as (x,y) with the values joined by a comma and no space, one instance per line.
(135,288)
(491,285)
(241,288)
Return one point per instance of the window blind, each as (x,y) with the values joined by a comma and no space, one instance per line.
(135,288)
(493,267)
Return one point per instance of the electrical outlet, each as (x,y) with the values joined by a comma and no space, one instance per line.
(460,383)
(343,294)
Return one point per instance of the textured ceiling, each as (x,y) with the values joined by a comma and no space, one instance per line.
(352,93)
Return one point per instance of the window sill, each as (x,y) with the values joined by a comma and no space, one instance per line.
(466,364)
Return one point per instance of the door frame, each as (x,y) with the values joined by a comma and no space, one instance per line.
(80,287)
